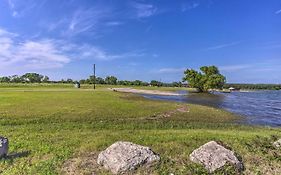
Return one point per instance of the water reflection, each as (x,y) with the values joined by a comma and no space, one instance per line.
(259,107)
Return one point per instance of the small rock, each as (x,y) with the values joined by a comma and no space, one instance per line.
(126,156)
(214,156)
(4,146)
(277,144)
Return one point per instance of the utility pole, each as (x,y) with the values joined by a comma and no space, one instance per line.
(94,76)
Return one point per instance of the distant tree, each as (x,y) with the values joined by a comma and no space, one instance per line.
(46,79)
(137,83)
(208,78)
(121,82)
(16,79)
(69,80)
(100,80)
(82,81)
(156,83)
(177,84)
(92,79)
(33,77)
(62,81)
(4,79)
(111,80)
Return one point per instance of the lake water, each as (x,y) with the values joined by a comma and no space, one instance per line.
(258,107)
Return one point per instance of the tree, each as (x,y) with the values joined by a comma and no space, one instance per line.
(156,83)
(16,79)
(111,80)
(208,78)
(137,83)
(33,77)
(69,80)
(82,81)
(46,79)
(4,79)
(176,84)
(92,79)
(100,80)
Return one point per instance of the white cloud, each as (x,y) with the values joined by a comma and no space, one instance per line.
(278,12)
(272,65)
(48,53)
(155,55)
(93,52)
(20,8)
(222,46)
(54,25)
(231,68)
(42,54)
(272,45)
(90,21)
(144,10)
(6,33)
(12,7)
(113,23)
(188,6)
(171,70)
(87,20)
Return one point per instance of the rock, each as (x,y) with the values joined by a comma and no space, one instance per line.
(277,144)
(214,156)
(4,146)
(126,156)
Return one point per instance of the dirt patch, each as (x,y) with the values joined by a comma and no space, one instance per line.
(180,109)
(83,164)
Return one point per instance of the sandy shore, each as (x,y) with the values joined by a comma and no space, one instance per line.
(141,91)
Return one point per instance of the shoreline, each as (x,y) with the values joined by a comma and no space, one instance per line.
(141,91)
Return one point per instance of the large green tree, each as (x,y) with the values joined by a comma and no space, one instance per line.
(208,78)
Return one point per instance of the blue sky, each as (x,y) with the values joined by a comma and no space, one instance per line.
(138,39)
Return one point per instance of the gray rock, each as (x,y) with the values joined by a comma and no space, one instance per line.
(4,146)
(277,144)
(214,156)
(126,156)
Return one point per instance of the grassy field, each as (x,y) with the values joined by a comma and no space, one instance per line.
(55,127)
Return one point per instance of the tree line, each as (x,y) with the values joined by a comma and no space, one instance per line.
(207,78)
(26,78)
(110,80)
(254,86)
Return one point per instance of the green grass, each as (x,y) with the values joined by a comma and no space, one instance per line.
(57,123)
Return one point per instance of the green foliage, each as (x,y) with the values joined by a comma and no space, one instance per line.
(110,80)
(132,83)
(26,78)
(176,84)
(156,83)
(33,77)
(208,78)
(100,80)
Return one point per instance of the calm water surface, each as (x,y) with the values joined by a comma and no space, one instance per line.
(259,107)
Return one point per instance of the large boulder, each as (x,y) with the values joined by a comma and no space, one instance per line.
(214,156)
(4,146)
(126,156)
(277,144)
